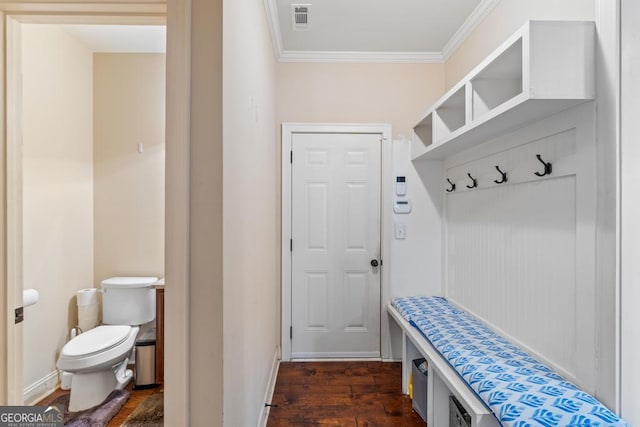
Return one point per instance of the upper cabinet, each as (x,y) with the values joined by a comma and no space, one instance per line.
(544,68)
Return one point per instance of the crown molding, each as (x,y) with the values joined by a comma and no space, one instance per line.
(274,27)
(471,23)
(361,57)
(478,15)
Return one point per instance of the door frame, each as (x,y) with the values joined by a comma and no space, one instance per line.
(12,15)
(386,188)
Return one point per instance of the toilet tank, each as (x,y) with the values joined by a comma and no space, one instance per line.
(128,300)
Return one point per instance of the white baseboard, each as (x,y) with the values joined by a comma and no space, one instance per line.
(268,395)
(41,388)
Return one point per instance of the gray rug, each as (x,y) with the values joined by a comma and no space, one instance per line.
(150,413)
(98,416)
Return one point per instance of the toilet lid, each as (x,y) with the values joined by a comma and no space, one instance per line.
(96,340)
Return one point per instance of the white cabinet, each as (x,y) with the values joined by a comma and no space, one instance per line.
(544,68)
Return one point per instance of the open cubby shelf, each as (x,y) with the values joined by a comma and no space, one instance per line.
(544,68)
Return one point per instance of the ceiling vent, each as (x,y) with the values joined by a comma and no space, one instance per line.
(300,16)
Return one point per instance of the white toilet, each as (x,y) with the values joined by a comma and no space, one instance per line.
(97,359)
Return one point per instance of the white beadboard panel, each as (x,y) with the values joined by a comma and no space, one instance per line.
(521,255)
(512,262)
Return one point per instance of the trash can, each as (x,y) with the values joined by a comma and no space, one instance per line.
(419,377)
(144,373)
(458,416)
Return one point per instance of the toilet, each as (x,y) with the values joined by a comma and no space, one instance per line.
(98,358)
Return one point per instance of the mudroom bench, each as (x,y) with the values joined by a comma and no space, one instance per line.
(495,381)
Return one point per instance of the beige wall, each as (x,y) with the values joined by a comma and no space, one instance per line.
(504,20)
(250,207)
(194,310)
(356,93)
(58,190)
(129,99)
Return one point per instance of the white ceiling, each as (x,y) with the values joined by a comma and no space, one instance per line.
(383,30)
(340,30)
(120,38)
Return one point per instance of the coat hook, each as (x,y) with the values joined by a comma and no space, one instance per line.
(473,180)
(547,167)
(453,186)
(503,178)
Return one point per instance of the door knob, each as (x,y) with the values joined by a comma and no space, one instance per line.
(374,263)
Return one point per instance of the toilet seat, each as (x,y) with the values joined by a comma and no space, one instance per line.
(97,348)
(96,340)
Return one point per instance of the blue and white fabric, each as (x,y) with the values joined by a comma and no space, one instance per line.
(520,390)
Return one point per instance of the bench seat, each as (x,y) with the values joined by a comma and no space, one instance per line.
(520,390)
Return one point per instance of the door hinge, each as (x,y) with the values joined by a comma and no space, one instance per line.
(290,245)
(19,315)
(290,332)
(380,262)
(291,157)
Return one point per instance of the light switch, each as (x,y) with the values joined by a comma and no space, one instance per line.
(401,231)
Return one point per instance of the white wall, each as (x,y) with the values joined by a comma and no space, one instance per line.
(630,209)
(129,100)
(58,190)
(608,169)
(416,261)
(250,205)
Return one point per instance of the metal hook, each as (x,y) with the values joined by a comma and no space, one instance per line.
(503,178)
(453,186)
(473,180)
(547,167)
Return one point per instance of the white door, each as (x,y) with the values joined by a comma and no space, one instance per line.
(335,287)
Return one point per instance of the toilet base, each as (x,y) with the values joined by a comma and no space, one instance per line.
(91,389)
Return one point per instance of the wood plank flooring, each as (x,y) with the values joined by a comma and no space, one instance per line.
(346,394)
(136,398)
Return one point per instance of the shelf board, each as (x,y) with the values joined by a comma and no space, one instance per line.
(509,116)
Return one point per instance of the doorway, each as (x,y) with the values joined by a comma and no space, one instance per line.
(18,386)
(334,281)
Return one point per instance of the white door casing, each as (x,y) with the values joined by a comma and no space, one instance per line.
(383,133)
(336,238)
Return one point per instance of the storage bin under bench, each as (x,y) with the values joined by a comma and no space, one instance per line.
(497,382)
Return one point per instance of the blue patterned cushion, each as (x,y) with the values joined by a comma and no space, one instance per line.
(520,390)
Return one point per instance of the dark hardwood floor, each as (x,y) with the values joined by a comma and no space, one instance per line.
(136,398)
(341,394)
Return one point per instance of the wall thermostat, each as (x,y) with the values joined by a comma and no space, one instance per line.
(402,207)
(401,185)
